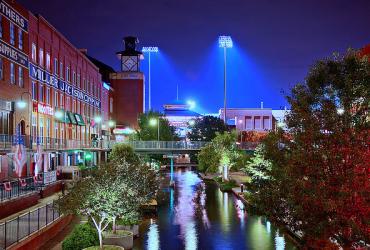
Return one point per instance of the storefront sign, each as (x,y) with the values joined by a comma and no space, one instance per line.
(43,109)
(41,75)
(50,177)
(11,53)
(13,16)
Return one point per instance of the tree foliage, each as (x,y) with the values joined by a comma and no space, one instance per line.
(205,128)
(115,190)
(319,178)
(148,132)
(221,151)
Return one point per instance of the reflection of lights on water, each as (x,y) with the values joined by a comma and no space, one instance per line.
(240,212)
(268,226)
(279,242)
(191,240)
(171,199)
(185,210)
(153,236)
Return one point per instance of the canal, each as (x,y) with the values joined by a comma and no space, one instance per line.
(197,215)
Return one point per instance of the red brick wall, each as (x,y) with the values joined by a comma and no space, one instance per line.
(37,240)
(127,101)
(16,205)
(51,189)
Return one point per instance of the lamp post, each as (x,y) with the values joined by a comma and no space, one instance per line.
(154,122)
(225,42)
(21,105)
(149,50)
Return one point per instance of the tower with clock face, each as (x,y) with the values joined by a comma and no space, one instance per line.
(130,57)
(128,86)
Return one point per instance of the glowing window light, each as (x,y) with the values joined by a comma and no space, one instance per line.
(150,49)
(225,42)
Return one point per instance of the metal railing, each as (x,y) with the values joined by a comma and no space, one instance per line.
(23,186)
(14,230)
(48,143)
(166,145)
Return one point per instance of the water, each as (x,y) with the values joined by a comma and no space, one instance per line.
(196,215)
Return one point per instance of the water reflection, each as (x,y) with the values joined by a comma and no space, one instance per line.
(153,236)
(197,215)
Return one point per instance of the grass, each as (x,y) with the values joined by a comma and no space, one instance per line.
(106,247)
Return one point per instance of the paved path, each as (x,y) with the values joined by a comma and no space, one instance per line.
(56,242)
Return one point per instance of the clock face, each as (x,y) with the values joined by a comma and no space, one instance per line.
(129,63)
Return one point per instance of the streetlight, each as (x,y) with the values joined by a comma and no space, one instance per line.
(225,42)
(191,104)
(21,104)
(149,50)
(153,122)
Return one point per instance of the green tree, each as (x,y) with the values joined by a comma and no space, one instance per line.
(222,152)
(148,128)
(258,167)
(319,171)
(205,128)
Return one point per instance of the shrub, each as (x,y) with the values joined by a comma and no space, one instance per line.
(227,185)
(82,236)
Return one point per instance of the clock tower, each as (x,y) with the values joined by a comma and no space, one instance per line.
(130,57)
(128,86)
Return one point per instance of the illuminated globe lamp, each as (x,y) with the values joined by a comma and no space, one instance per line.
(191,123)
(111,123)
(21,104)
(58,114)
(97,119)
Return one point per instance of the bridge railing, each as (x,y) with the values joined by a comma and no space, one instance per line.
(170,145)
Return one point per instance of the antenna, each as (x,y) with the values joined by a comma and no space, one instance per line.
(177,92)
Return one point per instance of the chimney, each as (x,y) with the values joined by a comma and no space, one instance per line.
(261,105)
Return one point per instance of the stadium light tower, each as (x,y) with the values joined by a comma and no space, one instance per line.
(149,50)
(225,42)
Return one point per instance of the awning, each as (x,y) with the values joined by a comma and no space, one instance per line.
(72,118)
(79,119)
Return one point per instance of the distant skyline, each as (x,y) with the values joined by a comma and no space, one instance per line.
(275,42)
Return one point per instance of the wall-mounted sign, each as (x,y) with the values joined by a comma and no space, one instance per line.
(7,11)
(11,53)
(41,75)
(43,109)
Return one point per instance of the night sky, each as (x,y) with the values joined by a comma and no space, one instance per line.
(275,42)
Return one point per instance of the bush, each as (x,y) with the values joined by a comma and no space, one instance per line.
(227,185)
(82,236)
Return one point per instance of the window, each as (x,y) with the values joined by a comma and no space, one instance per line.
(55,66)
(78,81)
(20,39)
(56,131)
(74,106)
(48,129)
(48,61)
(33,52)
(74,77)
(87,86)
(111,105)
(20,77)
(257,122)
(41,93)
(266,122)
(61,100)
(12,38)
(61,70)
(34,126)
(41,129)
(83,84)
(56,98)
(78,107)
(47,95)
(248,123)
(41,57)
(67,103)
(12,73)
(34,90)
(1,28)
(67,74)
(1,69)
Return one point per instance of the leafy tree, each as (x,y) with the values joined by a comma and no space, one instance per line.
(206,127)
(148,132)
(258,167)
(221,152)
(319,181)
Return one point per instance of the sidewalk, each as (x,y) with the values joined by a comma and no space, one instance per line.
(41,202)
